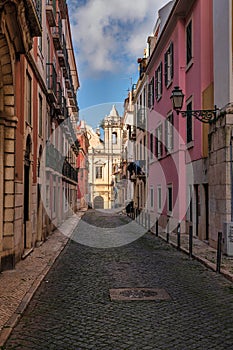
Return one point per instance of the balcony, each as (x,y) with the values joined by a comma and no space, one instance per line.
(57,35)
(136,170)
(69,171)
(63,58)
(132,132)
(34,16)
(51,12)
(58,104)
(65,112)
(62,6)
(51,80)
(54,159)
(141,118)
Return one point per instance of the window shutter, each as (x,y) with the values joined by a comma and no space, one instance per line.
(161,77)
(172,60)
(172,132)
(166,135)
(156,143)
(166,68)
(156,84)
(153,91)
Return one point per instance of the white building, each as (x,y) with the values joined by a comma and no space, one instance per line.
(104,163)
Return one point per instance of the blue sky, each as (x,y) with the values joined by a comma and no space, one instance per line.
(108,37)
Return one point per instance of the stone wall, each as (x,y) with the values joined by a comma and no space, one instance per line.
(219,177)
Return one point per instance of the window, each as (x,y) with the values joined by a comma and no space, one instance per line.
(99,172)
(151,145)
(140,150)
(144,147)
(158,82)
(169,62)
(151,93)
(28,98)
(169,199)
(114,138)
(159,198)
(169,133)
(40,115)
(40,43)
(159,141)
(152,197)
(189,53)
(189,123)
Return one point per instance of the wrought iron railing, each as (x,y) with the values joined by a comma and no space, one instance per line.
(51,78)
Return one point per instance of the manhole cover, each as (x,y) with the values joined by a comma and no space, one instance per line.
(139,294)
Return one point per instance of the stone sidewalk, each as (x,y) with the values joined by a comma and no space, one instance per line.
(18,286)
(202,252)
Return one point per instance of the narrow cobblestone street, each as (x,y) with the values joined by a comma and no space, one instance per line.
(72,308)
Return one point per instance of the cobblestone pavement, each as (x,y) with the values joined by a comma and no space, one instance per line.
(72,307)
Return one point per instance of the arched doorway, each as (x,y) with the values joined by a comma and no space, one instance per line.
(27,166)
(98,202)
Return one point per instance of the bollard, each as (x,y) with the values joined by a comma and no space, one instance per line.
(178,236)
(148,222)
(190,240)
(219,252)
(167,229)
(157,228)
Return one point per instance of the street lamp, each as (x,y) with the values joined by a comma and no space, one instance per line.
(207,116)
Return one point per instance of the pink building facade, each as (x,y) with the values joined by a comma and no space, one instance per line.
(180,54)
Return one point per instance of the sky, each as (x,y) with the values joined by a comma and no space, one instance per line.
(108,38)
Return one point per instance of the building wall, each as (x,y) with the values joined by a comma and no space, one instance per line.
(23,218)
(196,82)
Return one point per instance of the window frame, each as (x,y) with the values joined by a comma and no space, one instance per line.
(189,123)
(170,200)
(169,132)
(189,43)
(151,100)
(152,146)
(28,98)
(40,116)
(169,65)
(159,198)
(159,82)
(99,172)
(159,141)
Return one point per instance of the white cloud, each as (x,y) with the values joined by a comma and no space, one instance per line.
(107,34)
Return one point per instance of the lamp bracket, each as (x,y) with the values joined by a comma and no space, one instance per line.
(206,116)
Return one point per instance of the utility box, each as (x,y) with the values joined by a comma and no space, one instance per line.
(228,238)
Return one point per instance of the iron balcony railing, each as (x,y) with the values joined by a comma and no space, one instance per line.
(51,12)
(69,171)
(141,118)
(57,35)
(51,3)
(34,16)
(51,80)
(59,163)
